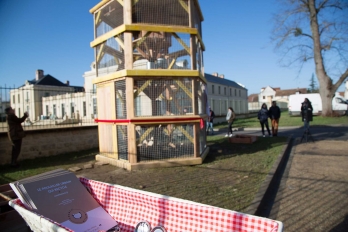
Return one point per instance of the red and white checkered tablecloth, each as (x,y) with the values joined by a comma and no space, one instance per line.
(129,206)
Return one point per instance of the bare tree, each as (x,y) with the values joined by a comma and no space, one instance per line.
(318,30)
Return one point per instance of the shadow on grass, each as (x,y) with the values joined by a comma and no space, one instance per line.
(39,165)
(221,148)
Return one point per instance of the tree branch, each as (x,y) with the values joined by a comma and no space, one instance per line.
(341,79)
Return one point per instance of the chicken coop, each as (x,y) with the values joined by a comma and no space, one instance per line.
(151,90)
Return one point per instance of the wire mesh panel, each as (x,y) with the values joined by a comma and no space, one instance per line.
(202,97)
(108,17)
(163,97)
(196,19)
(199,58)
(203,137)
(165,141)
(122,142)
(120,93)
(110,54)
(161,12)
(161,50)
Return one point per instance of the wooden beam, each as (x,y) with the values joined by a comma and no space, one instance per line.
(121,2)
(187,135)
(153,73)
(132,146)
(99,5)
(97,19)
(146,27)
(139,90)
(100,53)
(119,41)
(179,53)
(172,63)
(108,35)
(158,28)
(145,134)
(138,42)
(187,48)
(183,87)
(182,3)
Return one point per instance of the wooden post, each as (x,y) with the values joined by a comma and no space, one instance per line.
(132,151)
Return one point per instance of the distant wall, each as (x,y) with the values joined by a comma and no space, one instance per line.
(48,142)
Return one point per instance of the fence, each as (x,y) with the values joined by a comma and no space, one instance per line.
(49,107)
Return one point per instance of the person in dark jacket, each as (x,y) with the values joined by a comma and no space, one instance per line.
(211,116)
(307,113)
(15,133)
(263,116)
(274,114)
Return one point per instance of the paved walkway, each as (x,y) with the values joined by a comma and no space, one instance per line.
(313,194)
(313,191)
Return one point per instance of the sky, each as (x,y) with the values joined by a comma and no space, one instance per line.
(55,36)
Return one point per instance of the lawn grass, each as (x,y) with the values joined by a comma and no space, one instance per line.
(229,177)
(39,165)
(286,120)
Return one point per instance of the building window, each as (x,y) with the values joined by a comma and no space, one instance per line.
(63,110)
(19,101)
(230,91)
(219,90)
(72,108)
(271,97)
(46,110)
(95,106)
(14,99)
(240,93)
(84,109)
(235,92)
(19,112)
(54,111)
(47,94)
(263,97)
(27,97)
(212,89)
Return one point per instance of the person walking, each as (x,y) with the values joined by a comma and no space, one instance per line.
(274,114)
(211,116)
(263,116)
(15,133)
(306,113)
(230,116)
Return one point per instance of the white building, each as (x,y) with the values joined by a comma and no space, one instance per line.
(28,98)
(269,94)
(224,93)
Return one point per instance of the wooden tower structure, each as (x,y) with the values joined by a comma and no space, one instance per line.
(151,95)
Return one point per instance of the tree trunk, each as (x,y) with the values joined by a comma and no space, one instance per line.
(326,89)
(326,93)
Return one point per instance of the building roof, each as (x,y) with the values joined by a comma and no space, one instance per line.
(288,92)
(341,94)
(52,81)
(222,81)
(274,88)
(253,97)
